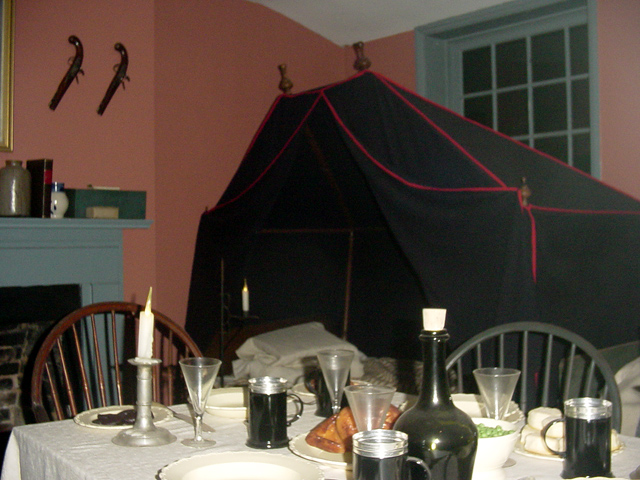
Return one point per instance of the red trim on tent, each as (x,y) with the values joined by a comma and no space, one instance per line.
(443,133)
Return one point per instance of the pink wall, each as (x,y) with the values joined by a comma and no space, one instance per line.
(115,149)
(619,66)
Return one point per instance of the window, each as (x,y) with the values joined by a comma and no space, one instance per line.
(525,69)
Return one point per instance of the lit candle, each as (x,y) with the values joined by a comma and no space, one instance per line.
(245,297)
(145,330)
(433,318)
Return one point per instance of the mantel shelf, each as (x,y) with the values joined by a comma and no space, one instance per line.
(71,223)
(78,251)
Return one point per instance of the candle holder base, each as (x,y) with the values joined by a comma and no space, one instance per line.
(140,438)
(144,433)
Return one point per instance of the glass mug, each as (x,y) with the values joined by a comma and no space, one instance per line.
(587,438)
(382,455)
(267,412)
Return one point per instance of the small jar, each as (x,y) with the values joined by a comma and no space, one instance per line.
(15,190)
(59,200)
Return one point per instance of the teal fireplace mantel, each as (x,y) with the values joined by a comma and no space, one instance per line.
(46,251)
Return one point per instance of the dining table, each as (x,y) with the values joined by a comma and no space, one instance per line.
(70,450)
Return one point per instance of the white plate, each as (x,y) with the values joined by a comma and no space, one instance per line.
(519,449)
(227,402)
(300,447)
(241,466)
(86,418)
(305,395)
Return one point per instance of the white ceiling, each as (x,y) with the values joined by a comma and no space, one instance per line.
(345,22)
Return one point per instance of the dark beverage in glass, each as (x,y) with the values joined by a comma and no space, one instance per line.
(590,455)
(268,420)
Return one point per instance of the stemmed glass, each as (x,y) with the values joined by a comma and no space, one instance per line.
(369,405)
(335,365)
(199,374)
(496,387)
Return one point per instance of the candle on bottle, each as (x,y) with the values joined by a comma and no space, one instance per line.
(433,319)
(145,330)
(245,297)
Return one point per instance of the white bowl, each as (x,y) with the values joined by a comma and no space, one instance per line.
(493,452)
(228,402)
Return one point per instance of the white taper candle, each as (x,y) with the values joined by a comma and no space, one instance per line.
(245,297)
(145,330)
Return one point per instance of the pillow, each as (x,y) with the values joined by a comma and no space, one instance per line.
(290,352)
(628,380)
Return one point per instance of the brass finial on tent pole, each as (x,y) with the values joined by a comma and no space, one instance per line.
(285,84)
(362,62)
(525,191)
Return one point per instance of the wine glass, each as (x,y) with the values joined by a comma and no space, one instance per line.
(496,387)
(199,374)
(369,405)
(335,365)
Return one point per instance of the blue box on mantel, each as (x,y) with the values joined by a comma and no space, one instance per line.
(131,204)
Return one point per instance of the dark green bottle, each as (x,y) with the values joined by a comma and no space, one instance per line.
(439,433)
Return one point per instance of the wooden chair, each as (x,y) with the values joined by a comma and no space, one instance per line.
(556,364)
(83,361)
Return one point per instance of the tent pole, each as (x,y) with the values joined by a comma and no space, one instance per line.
(347,290)
(222,322)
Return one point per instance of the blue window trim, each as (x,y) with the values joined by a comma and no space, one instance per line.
(432,43)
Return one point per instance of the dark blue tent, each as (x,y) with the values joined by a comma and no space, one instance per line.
(362,202)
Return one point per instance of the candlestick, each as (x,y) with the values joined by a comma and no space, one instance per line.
(145,330)
(245,297)
(144,433)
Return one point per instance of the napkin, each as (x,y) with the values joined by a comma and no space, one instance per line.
(290,352)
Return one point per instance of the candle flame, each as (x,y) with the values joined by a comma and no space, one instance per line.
(147,308)
(245,288)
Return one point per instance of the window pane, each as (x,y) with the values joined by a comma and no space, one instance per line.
(579,50)
(547,56)
(580,107)
(582,152)
(511,63)
(554,146)
(513,117)
(476,70)
(549,108)
(479,109)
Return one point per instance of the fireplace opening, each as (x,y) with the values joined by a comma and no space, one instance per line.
(26,314)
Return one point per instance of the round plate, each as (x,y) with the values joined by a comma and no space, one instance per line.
(241,466)
(300,447)
(519,449)
(227,402)
(86,418)
(305,395)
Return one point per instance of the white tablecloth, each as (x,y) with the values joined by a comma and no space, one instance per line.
(67,451)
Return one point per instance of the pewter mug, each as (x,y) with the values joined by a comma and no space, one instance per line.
(267,420)
(587,438)
(383,455)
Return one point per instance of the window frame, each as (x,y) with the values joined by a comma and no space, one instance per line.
(439,67)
